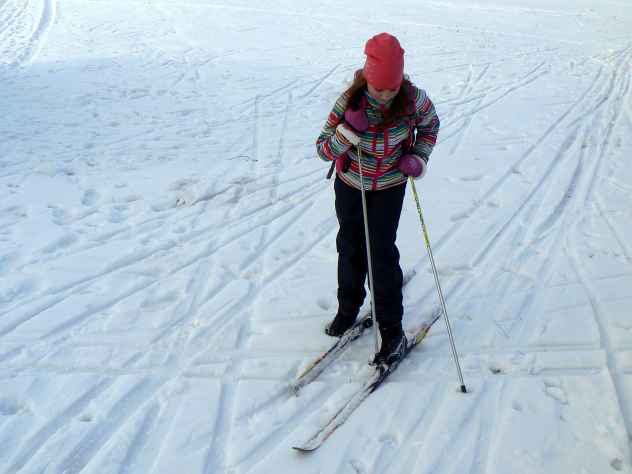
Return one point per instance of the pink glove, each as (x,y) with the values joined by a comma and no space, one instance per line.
(412,165)
(357,119)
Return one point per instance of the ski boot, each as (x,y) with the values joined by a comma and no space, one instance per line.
(393,345)
(339,325)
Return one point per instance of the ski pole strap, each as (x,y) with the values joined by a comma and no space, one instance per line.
(331,169)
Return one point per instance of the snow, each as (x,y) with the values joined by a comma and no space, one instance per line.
(167,238)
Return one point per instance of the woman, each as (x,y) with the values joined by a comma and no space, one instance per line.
(392,126)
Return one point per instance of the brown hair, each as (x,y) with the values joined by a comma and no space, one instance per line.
(401,106)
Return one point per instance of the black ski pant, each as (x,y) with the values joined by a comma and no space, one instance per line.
(384,209)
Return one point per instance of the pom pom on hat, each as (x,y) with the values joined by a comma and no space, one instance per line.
(384,66)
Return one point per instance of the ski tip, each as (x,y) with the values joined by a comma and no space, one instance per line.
(307,446)
(304,449)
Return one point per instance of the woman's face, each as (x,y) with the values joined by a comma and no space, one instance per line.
(382,95)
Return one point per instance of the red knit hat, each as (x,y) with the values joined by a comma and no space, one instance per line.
(384,67)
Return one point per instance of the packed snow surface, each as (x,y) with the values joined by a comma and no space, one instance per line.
(168,260)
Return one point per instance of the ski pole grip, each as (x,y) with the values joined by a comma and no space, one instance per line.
(331,169)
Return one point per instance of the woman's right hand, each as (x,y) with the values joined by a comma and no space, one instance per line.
(346,135)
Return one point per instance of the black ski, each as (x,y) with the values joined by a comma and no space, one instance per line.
(318,365)
(380,373)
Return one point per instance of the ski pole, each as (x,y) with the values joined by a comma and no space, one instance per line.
(455,355)
(368,249)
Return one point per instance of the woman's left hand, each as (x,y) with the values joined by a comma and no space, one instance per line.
(412,165)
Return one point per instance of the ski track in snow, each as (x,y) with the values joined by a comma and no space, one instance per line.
(213,256)
(619,91)
(24,26)
(536,194)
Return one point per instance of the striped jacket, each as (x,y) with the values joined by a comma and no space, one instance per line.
(381,147)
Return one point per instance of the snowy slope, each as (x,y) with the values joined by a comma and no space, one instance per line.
(167,257)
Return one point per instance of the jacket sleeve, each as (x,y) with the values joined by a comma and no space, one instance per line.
(427,124)
(330,144)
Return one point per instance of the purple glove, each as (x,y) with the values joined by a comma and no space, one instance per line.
(412,165)
(357,119)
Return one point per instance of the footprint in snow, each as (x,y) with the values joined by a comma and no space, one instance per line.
(61,243)
(59,215)
(90,198)
(617,464)
(389,440)
(495,369)
(157,301)
(86,418)
(477,177)
(8,261)
(556,392)
(13,187)
(459,216)
(11,407)
(118,214)
(128,199)
(20,290)
(449,270)
(13,212)
(186,191)
(498,367)
(323,304)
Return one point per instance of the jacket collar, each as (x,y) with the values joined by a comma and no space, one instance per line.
(374,102)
